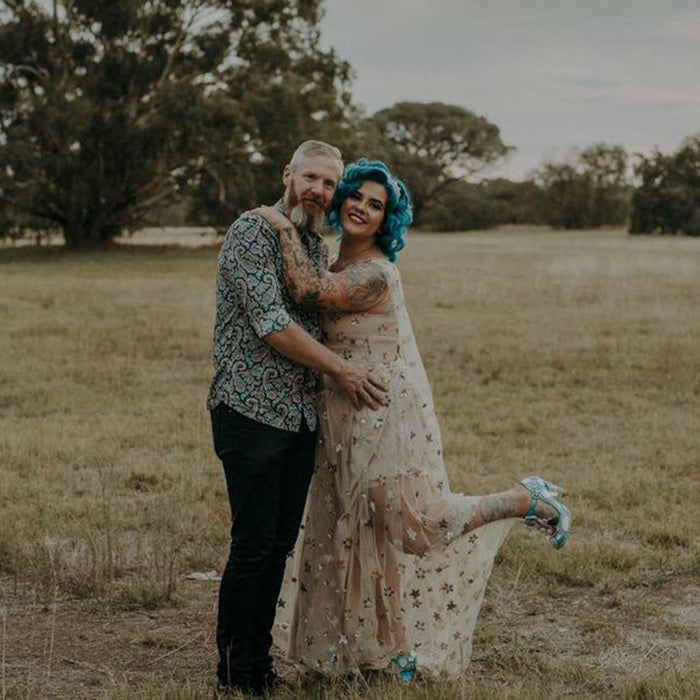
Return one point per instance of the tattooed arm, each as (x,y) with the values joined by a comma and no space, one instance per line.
(359,287)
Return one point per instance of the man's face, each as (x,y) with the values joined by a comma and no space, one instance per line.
(309,190)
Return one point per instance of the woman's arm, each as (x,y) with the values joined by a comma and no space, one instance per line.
(357,288)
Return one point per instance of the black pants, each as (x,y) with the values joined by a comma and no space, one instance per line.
(267,476)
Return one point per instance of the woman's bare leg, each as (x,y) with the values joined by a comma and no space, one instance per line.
(506,504)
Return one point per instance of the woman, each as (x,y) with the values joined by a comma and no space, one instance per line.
(390,567)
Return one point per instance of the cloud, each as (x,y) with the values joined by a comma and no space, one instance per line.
(595,82)
(687,27)
(550,74)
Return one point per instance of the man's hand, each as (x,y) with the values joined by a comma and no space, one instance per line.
(275,218)
(361,386)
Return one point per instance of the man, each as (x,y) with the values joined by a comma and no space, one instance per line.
(263,407)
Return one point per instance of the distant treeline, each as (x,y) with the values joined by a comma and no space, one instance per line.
(115,114)
(603,186)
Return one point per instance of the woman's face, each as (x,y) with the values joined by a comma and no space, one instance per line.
(363,211)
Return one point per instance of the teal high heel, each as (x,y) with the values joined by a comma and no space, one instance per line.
(555,491)
(558,528)
(405,667)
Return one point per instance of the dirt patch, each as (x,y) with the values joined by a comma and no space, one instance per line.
(83,649)
(78,649)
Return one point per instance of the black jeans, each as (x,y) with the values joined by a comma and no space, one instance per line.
(267,476)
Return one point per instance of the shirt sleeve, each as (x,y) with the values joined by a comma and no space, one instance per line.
(247,264)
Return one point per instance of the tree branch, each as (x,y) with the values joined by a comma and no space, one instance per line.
(41,74)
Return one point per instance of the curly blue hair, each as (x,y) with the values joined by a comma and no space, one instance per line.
(391,236)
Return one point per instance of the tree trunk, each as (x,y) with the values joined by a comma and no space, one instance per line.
(78,237)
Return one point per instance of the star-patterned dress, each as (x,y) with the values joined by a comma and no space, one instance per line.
(381,566)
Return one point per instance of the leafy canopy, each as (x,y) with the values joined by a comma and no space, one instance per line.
(434,144)
(587,190)
(108,108)
(668,197)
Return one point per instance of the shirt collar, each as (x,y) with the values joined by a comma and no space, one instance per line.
(281,206)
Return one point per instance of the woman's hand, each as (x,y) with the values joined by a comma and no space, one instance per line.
(275,218)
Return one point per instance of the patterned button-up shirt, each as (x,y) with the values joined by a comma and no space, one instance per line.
(252,301)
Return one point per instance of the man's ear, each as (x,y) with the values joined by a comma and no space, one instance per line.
(287,175)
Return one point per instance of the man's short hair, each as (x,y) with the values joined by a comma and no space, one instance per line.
(315,148)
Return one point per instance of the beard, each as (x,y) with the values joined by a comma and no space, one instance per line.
(316,222)
(302,219)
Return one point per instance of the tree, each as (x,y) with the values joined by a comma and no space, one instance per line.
(283,90)
(109,107)
(607,167)
(466,206)
(668,198)
(589,189)
(567,195)
(435,144)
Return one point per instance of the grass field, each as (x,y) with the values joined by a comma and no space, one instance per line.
(576,356)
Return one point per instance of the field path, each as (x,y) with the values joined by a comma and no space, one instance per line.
(80,649)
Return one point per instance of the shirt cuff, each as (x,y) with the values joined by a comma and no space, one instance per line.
(268,322)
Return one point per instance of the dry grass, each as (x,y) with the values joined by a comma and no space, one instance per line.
(572,355)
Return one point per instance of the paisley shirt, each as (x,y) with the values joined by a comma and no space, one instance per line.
(252,301)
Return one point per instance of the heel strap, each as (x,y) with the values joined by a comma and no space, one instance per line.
(535,500)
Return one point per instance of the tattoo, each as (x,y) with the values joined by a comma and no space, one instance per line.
(492,508)
(357,288)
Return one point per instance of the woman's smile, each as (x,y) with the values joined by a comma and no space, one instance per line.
(362,212)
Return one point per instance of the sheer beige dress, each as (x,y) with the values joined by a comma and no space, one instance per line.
(381,566)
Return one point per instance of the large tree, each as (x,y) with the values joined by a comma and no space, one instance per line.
(108,107)
(283,89)
(434,144)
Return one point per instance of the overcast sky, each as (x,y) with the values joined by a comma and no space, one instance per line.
(552,74)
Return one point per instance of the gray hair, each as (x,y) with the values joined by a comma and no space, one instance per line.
(315,148)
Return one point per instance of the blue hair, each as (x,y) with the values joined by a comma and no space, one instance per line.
(398,216)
